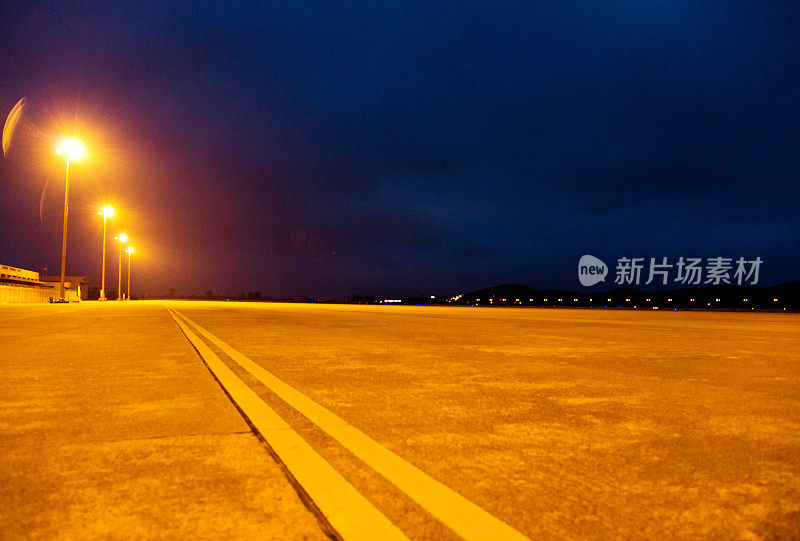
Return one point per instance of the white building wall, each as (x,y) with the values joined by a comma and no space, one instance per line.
(10,293)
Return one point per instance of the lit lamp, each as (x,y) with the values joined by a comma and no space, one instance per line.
(72,150)
(107,213)
(122,237)
(129,249)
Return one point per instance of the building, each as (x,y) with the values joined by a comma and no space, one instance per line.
(21,285)
(79,283)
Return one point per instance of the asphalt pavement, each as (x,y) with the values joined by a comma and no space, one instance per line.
(563,424)
(111,427)
(550,424)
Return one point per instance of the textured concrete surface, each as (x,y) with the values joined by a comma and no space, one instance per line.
(567,424)
(111,427)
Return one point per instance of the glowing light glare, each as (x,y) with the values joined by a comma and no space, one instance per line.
(129,249)
(122,237)
(11,123)
(72,149)
(106,211)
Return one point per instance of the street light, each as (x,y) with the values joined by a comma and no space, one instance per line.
(129,249)
(72,150)
(107,213)
(122,237)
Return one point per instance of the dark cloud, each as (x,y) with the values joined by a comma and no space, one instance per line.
(429,145)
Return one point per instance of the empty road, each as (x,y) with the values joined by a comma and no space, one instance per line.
(438,423)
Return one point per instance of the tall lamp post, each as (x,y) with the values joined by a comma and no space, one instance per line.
(107,213)
(129,249)
(72,150)
(122,237)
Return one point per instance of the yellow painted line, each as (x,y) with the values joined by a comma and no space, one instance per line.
(464,517)
(346,509)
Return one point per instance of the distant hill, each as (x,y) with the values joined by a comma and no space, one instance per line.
(779,297)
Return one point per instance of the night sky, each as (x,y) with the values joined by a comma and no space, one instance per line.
(389,148)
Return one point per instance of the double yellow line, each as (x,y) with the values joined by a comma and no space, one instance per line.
(347,511)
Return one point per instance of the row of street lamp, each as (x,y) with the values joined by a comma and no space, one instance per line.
(73,150)
(107,213)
